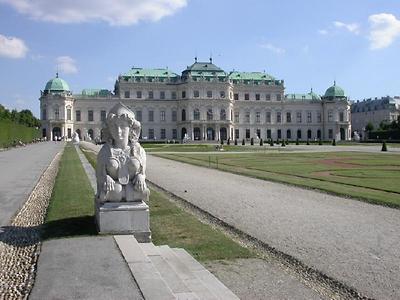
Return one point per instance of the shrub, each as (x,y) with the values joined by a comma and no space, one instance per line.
(252,141)
(261,142)
(287,142)
(243,142)
(320,142)
(235,142)
(283,143)
(222,141)
(308,142)
(333,142)
(297,142)
(384,147)
(271,142)
(228,142)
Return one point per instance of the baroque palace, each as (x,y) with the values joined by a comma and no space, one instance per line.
(203,103)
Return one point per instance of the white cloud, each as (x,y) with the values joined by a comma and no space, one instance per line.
(66,65)
(351,27)
(272,48)
(323,31)
(385,28)
(12,47)
(116,12)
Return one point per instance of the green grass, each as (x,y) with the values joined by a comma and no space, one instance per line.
(371,177)
(173,226)
(71,208)
(10,132)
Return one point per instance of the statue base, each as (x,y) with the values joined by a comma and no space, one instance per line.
(124,218)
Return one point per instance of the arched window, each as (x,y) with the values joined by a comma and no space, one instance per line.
(309,133)
(209,114)
(183,115)
(288,134)
(196,114)
(299,134)
(222,115)
(319,134)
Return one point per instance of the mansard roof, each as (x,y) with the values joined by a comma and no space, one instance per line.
(155,73)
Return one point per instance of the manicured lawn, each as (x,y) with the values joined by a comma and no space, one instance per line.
(373,177)
(11,131)
(173,226)
(71,209)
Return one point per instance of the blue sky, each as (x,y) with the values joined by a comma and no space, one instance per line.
(306,43)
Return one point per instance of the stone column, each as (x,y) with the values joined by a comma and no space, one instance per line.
(217,133)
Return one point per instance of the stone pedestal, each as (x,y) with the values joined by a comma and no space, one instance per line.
(124,218)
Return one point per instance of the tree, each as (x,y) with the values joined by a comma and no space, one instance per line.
(369,127)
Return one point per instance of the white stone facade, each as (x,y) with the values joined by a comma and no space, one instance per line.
(201,105)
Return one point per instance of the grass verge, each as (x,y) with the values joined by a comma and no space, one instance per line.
(175,227)
(71,208)
(11,131)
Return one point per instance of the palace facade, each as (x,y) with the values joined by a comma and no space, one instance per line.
(203,103)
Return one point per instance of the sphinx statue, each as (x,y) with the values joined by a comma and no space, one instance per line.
(121,162)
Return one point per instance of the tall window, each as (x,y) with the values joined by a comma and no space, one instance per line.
(319,117)
(258,117)
(247,117)
(309,134)
(278,97)
(151,133)
(209,94)
(173,95)
(268,133)
(222,115)
(90,116)
(209,114)
(56,113)
(278,117)
(151,95)
(298,117)
(279,133)
(247,133)
(138,94)
(162,95)
(268,117)
(196,114)
(222,94)
(183,115)
(288,134)
(299,133)
(288,117)
(236,133)
(330,133)
(330,116)
(127,94)
(78,115)
(196,94)
(103,115)
(341,116)
(174,134)
(236,117)
(174,116)
(268,97)
(162,134)
(246,96)
(44,114)
(69,117)
(151,116)
(236,96)
(309,117)
(183,94)
(257,96)
(162,116)
(139,115)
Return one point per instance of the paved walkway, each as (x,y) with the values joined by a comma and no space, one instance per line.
(20,170)
(354,242)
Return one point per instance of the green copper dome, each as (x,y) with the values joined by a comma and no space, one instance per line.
(314,96)
(335,91)
(57,85)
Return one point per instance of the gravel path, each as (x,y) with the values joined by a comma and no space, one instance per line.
(21,169)
(20,242)
(354,242)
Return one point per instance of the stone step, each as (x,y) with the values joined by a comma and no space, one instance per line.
(188,277)
(174,282)
(208,279)
(146,275)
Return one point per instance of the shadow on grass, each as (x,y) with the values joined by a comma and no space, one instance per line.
(27,236)
(71,227)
